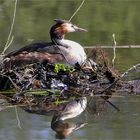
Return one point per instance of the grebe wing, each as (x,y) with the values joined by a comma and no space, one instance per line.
(37,47)
(36,52)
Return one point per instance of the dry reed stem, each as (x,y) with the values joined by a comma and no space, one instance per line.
(114,49)
(10,39)
(14,84)
(17,117)
(133,68)
(77,10)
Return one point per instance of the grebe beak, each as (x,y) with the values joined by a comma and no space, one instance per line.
(80,29)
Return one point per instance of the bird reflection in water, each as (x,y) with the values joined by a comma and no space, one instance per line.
(60,114)
(71,110)
(63,129)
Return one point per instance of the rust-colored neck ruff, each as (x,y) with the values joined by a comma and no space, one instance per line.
(58,32)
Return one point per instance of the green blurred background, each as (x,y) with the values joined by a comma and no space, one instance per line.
(101,18)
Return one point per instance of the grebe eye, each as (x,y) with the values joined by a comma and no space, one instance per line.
(72,26)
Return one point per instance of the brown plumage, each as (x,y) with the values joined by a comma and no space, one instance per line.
(52,55)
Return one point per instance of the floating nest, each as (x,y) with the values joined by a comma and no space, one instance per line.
(58,83)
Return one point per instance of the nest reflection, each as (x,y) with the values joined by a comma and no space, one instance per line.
(62,122)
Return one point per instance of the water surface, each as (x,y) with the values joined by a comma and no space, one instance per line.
(107,124)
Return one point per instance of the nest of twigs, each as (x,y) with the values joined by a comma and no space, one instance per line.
(57,83)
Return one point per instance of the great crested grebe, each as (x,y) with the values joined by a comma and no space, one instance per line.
(60,50)
(70,110)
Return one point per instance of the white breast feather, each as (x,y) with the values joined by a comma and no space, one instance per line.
(73,52)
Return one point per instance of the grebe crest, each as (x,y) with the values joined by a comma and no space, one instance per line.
(63,27)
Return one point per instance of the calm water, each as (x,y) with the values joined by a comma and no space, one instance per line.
(102,19)
(106,125)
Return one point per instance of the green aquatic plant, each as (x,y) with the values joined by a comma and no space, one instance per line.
(44,92)
(38,92)
(62,67)
(59,102)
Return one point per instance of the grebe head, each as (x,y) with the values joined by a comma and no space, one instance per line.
(62,27)
(68,26)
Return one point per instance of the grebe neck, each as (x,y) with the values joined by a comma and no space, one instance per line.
(57,35)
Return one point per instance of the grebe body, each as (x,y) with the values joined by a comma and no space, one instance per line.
(60,50)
